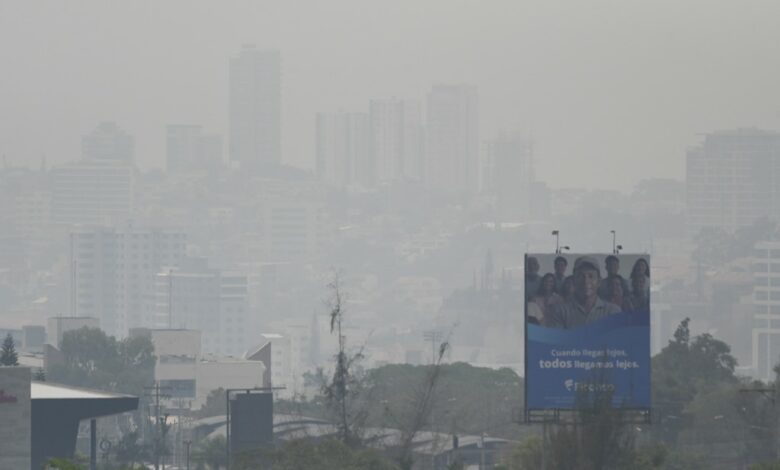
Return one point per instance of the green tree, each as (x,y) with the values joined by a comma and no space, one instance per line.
(343,390)
(211,452)
(40,375)
(683,369)
(8,355)
(93,359)
(329,454)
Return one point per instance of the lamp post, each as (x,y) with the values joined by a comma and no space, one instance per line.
(557,235)
(614,248)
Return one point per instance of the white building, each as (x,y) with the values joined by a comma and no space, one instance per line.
(396,139)
(112,274)
(343,151)
(452,130)
(187,376)
(255,107)
(766,316)
(197,297)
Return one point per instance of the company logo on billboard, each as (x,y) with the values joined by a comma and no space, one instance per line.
(572,386)
(6,398)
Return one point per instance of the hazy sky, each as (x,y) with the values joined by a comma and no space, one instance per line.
(622,86)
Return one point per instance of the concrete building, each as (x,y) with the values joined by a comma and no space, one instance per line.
(509,177)
(16,416)
(255,108)
(396,139)
(343,150)
(279,348)
(452,131)
(188,375)
(112,274)
(178,353)
(732,179)
(189,149)
(92,192)
(56,327)
(196,297)
(766,316)
(107,142)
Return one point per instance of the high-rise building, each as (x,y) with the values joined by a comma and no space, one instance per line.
(108,142)
(189,150)
(92,192)
(766,314)
(255,108)
(396,139)
(112,274)
(343,152)
(452,130)
(509,177)
(732,179)
(196,297)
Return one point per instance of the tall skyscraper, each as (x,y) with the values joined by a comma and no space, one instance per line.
(112,274)
(452,151)
(189,150)
(396,139)
(343,151)
(107,142)
(732,179)
(255,108)
(509,177)
(766,314)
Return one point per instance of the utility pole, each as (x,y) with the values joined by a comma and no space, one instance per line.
(170,299)
(434,336)
(159,434)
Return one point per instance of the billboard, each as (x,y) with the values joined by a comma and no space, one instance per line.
(587,330)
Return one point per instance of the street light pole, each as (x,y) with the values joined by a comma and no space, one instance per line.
(614,245)
(556,234)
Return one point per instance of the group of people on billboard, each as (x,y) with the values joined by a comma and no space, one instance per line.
(558,300)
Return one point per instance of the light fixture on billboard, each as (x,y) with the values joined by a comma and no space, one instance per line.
(556,234)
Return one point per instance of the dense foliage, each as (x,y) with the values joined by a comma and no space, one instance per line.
(90,358)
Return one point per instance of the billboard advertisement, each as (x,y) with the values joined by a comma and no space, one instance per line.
(587,330)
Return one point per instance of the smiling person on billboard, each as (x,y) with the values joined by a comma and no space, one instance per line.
(586,306)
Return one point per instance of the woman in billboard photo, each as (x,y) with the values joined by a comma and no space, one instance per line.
(545,296)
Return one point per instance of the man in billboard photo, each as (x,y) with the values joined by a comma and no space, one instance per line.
(612,267)
(560,266)
(586,306)
(532,278)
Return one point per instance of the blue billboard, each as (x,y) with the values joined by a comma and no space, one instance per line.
(587,330)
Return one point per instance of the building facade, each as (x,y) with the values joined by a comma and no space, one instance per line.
(343,150)
(112,274)
(732,179)
(255,108)
(452,130)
